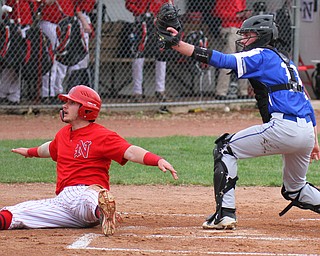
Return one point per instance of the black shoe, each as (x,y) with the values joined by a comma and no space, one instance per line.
(228,220)
(163,110)
(220,97)
(136,98)
(13,103)
(244,97)
(161,96)
(4,101)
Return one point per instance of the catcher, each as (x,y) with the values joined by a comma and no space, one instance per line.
(289,126)
(83,151)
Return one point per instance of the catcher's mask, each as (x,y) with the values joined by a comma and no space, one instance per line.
(88,98)
(265,29)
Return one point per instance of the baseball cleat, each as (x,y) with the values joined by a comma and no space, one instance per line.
(225,223)
(107,207)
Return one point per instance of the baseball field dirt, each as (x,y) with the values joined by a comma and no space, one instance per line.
(163,220)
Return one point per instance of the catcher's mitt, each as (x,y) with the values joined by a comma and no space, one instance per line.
(167,17)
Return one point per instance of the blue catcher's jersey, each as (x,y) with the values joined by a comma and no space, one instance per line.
(267,67)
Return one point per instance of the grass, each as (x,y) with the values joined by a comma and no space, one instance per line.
(191,157)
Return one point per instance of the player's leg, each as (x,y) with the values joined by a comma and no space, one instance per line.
(160,78)
(137,76)
(41,214)
(48,79)
(11,80)
(224,180)
(61,72)
(74,207)
(295,186)
(258,140)
(94,204)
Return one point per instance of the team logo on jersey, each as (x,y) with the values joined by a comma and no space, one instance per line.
(82,149)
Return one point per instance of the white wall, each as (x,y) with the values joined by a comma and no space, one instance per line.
(310,38)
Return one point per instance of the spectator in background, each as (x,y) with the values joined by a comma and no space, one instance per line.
(283,19)
(52,13)
(80,73)
(10,84)
(205,7)
(232,14)
(144,12)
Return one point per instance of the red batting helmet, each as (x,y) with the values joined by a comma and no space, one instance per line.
(88,98)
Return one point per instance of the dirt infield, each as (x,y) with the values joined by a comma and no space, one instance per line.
(163,220)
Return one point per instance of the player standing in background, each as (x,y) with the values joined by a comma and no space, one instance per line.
(10,80)
(289,125)
(79,73)
(232,14)
(144,12)
(52,13)
(83,151)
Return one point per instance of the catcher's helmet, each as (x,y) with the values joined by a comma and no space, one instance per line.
(88,98)
(265,28)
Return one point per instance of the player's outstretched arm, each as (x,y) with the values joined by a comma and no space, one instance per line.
(139,155)
(41,151)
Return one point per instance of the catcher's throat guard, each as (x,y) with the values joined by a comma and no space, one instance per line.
(222,183)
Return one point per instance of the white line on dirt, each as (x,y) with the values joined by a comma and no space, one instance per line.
(180,252)
(83,241)
(246,237)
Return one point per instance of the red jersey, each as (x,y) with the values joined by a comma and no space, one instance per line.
(53,13)
(23,10)
(227,12)
(84,156)
(85,5)
(139,7)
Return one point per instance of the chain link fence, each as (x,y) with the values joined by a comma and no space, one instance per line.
(110,46)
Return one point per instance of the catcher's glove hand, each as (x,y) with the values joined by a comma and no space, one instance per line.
(167,17)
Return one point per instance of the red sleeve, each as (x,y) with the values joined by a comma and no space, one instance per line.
(137,7)
(53,14)
(53,150)
(85,5)
(115,146)
(156,5)
(20,10)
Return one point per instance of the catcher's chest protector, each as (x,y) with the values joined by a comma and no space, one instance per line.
(72,47)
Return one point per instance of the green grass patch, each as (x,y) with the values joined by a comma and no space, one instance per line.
(191,157)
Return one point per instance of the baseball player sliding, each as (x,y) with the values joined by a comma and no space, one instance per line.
(83,151)
(289,126)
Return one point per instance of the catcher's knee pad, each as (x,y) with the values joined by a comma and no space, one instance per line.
(222,146)
(222,183)
(294,198)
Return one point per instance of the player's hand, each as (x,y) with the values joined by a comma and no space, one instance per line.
(21,151)
(164,166)
(173,31)
(315,154)
(87,28)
